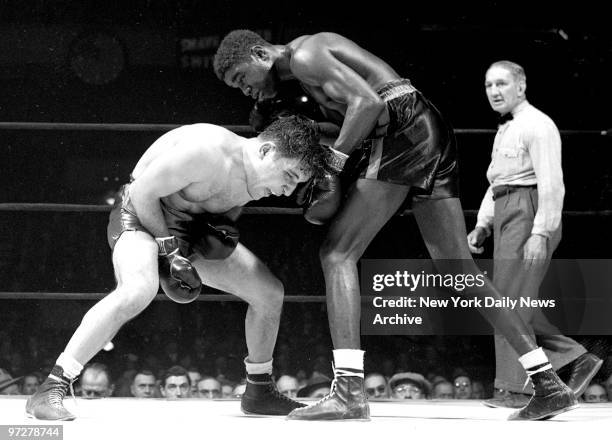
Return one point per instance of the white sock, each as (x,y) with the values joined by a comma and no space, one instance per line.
(258,368)
(535,359)
(71,367)
(348,358)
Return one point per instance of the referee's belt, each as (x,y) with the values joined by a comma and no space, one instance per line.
(507,189)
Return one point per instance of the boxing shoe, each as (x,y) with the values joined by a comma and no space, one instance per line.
(507,399)
(551,397)
(262,398)
(47,402)
(582,370)
(346,401)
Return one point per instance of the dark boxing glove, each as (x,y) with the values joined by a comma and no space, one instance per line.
(322,195)
(177,276)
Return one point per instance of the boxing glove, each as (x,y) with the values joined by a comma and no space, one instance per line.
(177,276)
(321,198)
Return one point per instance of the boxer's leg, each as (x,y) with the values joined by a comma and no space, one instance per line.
(135,262)
(369,205)
(443,227)
(244,275)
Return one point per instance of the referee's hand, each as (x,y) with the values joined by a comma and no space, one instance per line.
(476,238)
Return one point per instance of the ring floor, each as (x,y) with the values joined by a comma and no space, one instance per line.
(131,421)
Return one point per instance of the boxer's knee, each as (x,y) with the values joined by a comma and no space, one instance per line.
(270,300)
(133,297)
(335,255)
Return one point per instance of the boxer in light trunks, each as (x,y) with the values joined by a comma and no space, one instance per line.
(394,147)
(173,225)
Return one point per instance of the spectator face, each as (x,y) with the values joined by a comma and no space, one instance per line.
(443,391)
(226,391)
(176,387)
(595,394)
(95,384)
(463,388)
(287,385)
(376,386)
(209,388)
(407,391)
(143,386)
(30,385)
(194,377)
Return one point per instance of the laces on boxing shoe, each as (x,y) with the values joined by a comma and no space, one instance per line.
(338,373)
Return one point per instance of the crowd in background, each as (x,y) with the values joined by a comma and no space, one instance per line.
(202,356)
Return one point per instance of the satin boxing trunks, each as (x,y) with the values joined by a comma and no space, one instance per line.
(418,149)
(214,236)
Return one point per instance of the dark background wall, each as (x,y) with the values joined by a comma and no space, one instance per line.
(151,61)
(146,61)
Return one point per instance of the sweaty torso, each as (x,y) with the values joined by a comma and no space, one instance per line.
(369,67)
(222,185)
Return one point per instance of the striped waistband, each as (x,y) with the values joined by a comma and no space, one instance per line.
(395,89)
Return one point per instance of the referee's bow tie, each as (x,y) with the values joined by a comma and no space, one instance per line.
(504,118)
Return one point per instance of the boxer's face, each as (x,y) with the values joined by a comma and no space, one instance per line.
(276,174)
(255,77)
(503,90)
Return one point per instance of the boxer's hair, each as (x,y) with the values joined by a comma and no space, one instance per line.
(517,71)
(296,137)
(235,48)
(175,370)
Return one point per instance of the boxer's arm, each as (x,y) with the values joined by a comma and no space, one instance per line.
(170,172)
(318,67)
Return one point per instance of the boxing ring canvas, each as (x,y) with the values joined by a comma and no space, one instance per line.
(198,421)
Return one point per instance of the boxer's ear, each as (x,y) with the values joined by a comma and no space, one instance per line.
(266,148)
(260,52)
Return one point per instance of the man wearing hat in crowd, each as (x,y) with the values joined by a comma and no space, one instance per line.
(409,386)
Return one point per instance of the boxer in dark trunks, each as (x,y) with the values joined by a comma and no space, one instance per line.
(398,149)
(174,225)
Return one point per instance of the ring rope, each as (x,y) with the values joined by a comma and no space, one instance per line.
(121,127)
(5,295)
(253,210)
(134,127)
(59,207)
